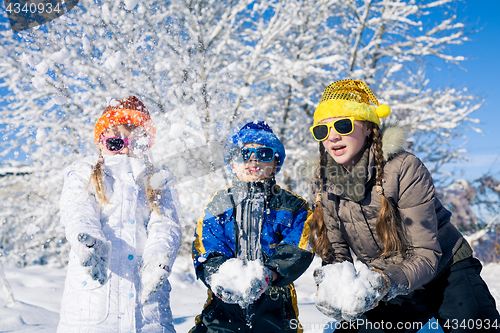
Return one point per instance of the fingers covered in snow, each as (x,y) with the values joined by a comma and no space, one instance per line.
(237,282)
(318,275)
(94,255)
(346,293)
(154,273)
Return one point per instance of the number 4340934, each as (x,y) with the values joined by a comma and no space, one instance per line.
(33,8)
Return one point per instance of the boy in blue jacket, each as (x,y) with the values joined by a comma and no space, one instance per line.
(252,241)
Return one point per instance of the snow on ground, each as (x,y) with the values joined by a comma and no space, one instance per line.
(38,292)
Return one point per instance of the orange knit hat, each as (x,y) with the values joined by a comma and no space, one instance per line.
(128,111)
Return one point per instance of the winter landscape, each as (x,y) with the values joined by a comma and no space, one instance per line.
(38,291)
(204,68)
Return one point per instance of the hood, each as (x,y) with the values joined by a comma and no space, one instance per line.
(393,142)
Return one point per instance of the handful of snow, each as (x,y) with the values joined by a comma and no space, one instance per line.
(94,255)
(154,273)
(346,294)
(240,283)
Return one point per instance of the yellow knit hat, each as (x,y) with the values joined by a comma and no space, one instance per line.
(350,98)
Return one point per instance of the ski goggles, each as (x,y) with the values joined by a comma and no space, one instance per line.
(342,126)
(242,154)
(115,144)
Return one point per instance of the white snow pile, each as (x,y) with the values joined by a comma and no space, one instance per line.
(38,291)
(240,283)
(346,293)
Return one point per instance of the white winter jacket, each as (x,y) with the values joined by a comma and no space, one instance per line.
(136,233)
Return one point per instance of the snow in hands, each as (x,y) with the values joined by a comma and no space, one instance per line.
(154,272)
(94,255)
(344,293)
(237,282)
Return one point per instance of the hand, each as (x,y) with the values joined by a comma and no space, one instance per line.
(240,283)
(154,273)
(259,285)
(345,294)
(381,284)
(330,309)
(94,255)
(378,286)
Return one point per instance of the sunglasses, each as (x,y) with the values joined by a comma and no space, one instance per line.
(116,144)
(342,126)
(263,154)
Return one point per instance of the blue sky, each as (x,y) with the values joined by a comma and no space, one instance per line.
(482,78)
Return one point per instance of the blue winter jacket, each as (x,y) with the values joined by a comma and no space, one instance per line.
(284,235)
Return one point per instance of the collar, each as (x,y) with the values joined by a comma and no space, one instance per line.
(123,165)
(351,184)
(250,188)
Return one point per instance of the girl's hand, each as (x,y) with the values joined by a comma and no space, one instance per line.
(330,309)
(154,274)
(94,255)
(345,294)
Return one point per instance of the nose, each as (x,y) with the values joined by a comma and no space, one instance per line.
(252,157)
(334,136)
(126,150)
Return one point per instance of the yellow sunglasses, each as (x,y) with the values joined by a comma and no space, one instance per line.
(342,126)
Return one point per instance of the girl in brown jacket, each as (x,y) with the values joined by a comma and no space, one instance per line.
(377,201)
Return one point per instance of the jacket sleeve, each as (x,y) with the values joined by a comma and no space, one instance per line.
(164,231)
(293,255)
(417,209)
(79,207)
(210,236)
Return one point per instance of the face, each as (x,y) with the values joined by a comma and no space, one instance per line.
(124,132)
(253,170)
(347,149)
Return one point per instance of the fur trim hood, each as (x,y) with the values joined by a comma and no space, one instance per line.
(393,142)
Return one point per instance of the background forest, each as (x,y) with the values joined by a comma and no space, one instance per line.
(203,68)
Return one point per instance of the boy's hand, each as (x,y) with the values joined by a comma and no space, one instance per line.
(241,283)
(260,285)
(94,255)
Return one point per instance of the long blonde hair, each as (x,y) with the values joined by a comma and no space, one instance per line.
(153,195)
(388,227)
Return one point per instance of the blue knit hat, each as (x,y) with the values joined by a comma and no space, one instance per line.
(256,132)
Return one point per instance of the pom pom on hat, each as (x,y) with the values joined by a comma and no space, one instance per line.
(383,111)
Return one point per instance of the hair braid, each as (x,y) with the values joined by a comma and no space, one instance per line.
(388,227)
(319,238)
(96,178)
(153,195)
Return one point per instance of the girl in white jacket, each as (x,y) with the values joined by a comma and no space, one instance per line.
(121,219)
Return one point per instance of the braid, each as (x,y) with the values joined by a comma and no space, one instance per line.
(388,227)
(379,155)
(319,238)
(153,195)
(96,178)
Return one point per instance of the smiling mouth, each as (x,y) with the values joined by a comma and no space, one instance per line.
(253,169)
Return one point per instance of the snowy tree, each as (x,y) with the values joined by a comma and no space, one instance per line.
(476,212)
(203,68)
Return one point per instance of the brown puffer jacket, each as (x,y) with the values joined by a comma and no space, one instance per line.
(351,210)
